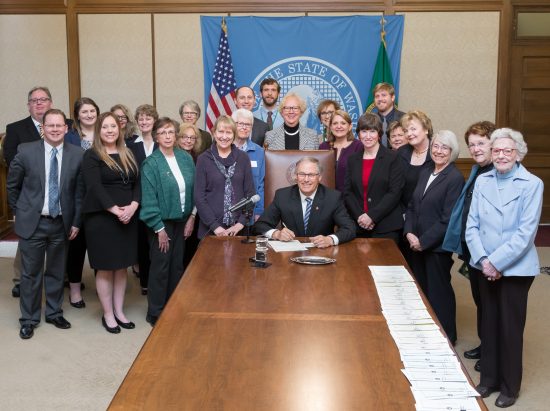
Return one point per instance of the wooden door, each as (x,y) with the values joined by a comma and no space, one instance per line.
(529,108)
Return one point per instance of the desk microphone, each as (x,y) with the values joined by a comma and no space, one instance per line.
(244,203)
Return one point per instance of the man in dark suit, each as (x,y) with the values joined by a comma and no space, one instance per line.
(45,192)
(307,209)
(384,100)
(39,100)
(245,98)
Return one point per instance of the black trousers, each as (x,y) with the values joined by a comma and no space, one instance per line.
(76,256)
(144,260)
(476,277)
(48,242)
(166,268)
(504,304)
(433,273)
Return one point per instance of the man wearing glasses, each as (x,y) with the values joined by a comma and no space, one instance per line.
(39,100)
(45,192)
(307,209)
(245,98)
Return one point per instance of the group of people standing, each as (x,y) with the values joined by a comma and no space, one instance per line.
(142,191)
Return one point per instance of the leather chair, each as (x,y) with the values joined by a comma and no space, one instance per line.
(280,167)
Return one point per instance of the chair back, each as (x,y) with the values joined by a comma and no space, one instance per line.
(280,169)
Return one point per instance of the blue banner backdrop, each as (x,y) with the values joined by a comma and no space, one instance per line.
(316,57)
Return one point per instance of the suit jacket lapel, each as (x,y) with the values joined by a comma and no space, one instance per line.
(316,207)
(41,163)
(441,177)
(31,128)
(297,213)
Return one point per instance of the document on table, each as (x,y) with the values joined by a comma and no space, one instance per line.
(294,245)
(431,366)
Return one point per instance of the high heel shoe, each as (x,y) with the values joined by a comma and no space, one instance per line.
(129,325)
(112,330)
(78,304)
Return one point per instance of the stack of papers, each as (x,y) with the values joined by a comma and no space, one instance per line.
(436,378)
(294,245)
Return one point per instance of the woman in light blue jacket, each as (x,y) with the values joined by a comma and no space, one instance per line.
(500,233)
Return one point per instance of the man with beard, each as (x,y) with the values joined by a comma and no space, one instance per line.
(268,110)
(384,99)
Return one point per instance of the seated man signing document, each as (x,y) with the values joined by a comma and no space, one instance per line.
(307,209)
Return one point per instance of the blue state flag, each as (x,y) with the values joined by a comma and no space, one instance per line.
(316,57)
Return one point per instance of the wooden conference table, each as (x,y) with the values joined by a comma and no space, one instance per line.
(287,337)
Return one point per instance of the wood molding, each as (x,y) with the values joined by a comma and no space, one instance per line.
(32,7)
(73,53)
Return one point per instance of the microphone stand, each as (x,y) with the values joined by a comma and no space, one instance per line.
(248,211)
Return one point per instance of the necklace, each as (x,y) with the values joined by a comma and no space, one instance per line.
(288,133)
(419,153)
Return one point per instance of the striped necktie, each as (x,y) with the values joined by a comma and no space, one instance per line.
(308,212)
(270,120)
(41,130)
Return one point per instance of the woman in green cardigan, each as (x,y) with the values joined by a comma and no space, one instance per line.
(167,179)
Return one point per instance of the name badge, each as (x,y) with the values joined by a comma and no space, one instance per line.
(253,163)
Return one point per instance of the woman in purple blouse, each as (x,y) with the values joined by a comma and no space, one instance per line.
(341,140)
(223,177)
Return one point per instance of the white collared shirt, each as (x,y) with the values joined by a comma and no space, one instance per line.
(36,124)
(148,150)
(47,155)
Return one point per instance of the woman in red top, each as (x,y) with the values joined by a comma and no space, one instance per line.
(373,184)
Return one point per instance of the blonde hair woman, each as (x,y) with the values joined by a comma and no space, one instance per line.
(111,200)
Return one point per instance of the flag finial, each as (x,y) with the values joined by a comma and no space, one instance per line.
(224,26)
(382,30)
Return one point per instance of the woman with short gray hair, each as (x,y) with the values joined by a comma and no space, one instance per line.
(426,222)
(500,233)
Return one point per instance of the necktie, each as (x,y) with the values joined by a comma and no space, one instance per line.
(308,212)
(53,186)
(41,130)
(384,132)
(270,120)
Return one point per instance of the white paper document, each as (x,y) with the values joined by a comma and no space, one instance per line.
(282,246)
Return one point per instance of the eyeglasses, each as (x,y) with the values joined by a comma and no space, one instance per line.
(506,151)
(38,100)
(165,133)
(190,138)
(190,113)
(327,113)
(290,109)
(243,125)
(303,176)
(122,118)
(443,148)
(481,144)
(53,126)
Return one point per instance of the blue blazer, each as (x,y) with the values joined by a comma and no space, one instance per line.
(502,225)
(452,241)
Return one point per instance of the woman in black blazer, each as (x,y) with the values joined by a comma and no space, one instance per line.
(426,222)
(374,183)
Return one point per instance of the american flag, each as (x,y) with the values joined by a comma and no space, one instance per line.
(222,92)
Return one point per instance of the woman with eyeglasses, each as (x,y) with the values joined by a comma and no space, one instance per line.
(224,176)
(85,112)
(127,124)
(426,222)
(325,110)
(478,140)
(292,135)
(167,181)
(112,197)
(244,119)
(500,234)
(142,147)
(190,112)
(189,139)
